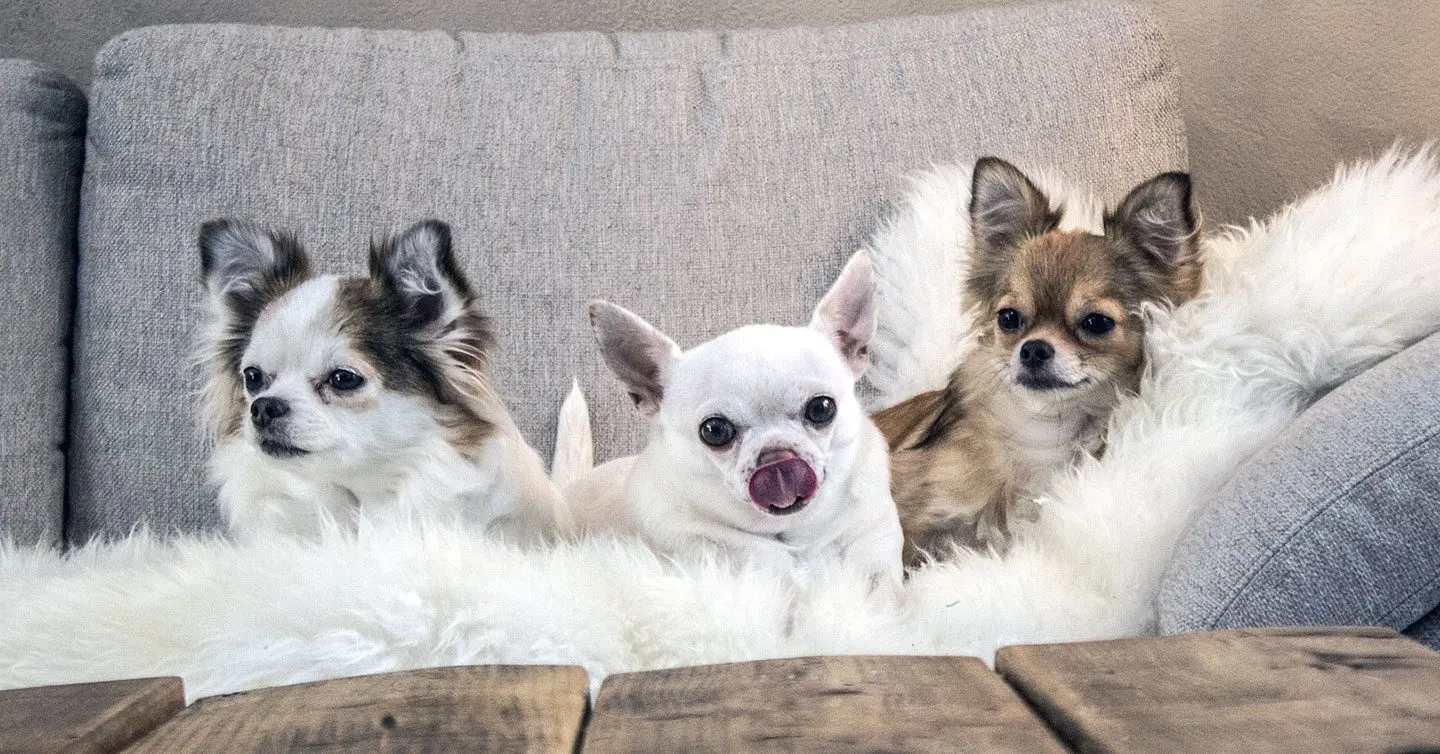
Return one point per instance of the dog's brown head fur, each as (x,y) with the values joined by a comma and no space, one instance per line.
(335,368)
(1059,310)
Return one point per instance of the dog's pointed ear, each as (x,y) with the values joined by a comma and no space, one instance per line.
(1158,218)
(846,315)
(241,258)
(418,267)
(635,351)
(1006,207)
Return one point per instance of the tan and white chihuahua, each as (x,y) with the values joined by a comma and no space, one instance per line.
(1061,339)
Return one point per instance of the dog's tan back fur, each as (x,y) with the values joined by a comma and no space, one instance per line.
(905,423)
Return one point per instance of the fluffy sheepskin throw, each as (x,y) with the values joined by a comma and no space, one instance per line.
(1292,306)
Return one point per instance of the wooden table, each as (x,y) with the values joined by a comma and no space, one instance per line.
(86,717)
(476,708)
(1303,690)
(1273,690)
(819,704)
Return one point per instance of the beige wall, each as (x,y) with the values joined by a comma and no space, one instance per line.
(1276,91)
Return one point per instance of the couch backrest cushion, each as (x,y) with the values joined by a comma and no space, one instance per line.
(705,180)
(42,147)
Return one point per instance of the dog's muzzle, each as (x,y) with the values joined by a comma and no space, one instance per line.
(266,410)
(783,483)
(265,414)
(1037,360)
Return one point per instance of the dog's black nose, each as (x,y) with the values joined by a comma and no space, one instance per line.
(264,410)
(1034,354)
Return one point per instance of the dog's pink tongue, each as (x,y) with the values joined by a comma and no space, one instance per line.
(780,483)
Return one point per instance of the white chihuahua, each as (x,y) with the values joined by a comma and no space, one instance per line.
(328,397)
(758,444)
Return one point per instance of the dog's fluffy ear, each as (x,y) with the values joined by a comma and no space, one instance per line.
(1005,207)
(244,267)
(418,267)
(1157,219)
(635,351)
(846,315)
(241,259)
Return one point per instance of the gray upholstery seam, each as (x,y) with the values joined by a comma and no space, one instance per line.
(1274,552)
(1406,599)
(660,62)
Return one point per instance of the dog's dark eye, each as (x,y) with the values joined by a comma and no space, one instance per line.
(717,432)
(344,379)
(254,379)
(1097,324)
(820,410)
(1008,319)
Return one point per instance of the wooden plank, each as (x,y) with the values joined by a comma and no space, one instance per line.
(816,704)
(493,708)
(1301,690)
(86,717)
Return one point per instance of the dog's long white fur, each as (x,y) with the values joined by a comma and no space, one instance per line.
(1324,289)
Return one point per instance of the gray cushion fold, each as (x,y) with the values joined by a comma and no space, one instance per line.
(1336,523)
(1426,630)
(705,180)
(42,143)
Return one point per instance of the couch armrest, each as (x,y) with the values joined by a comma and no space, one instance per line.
(1337,522)
(42,144)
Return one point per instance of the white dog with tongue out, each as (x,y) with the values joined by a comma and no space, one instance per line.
(758,445)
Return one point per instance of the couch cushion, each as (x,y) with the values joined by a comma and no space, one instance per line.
(42,147)
(1337,522)
(704,179)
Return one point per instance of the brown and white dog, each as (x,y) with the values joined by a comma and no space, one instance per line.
(327,398)
(1061,340)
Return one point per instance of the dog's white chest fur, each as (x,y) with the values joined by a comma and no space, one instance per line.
(1045,437)
(260,495)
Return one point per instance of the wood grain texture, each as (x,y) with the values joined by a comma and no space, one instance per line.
(1301,690)
(86,717)
(816,704)
(492,708)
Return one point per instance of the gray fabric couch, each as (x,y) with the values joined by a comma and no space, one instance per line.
(702,179)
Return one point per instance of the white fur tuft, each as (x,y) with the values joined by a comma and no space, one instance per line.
(574,445)
(1323,290)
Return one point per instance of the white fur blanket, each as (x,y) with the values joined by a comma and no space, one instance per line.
(1324,289)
